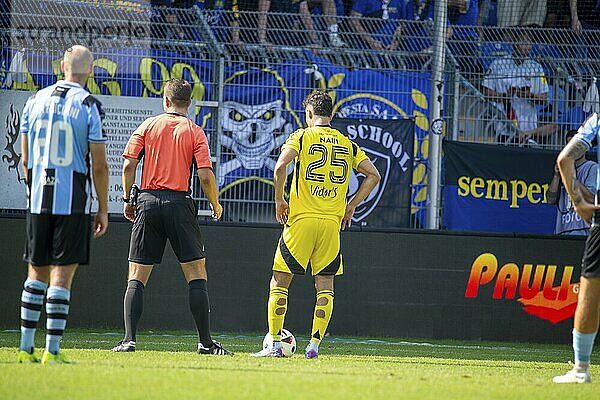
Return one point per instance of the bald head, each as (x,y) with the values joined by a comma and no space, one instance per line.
(77,63)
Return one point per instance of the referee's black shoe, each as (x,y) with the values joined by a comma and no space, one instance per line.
(216,348)
(123,346)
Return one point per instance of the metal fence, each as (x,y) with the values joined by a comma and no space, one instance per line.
(251,70)
(557,74)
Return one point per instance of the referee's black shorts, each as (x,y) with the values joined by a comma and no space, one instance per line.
(590,266)
(162,215)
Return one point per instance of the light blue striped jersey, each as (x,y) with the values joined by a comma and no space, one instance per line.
(588,134)
(59,122)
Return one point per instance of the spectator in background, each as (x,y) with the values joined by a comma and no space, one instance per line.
(516,82)
(557,15)
(462,16)
(284,6)
(331,9)
(568,222)
(585,14)
(165,19)
(521,13)
(384,30)
(242,25)
(488,13)
(208,4)
(317,7)
(461,35)
(178,32)
(300,7)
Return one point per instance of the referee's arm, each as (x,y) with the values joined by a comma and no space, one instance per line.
(209,188)
(127,180)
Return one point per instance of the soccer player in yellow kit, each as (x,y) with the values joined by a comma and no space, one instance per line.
(318,208)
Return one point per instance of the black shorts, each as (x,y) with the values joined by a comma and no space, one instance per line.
(590,266)
(57,239)
(162,215)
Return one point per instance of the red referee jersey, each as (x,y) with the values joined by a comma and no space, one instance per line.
(169,144)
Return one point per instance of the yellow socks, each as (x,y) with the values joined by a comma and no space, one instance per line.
(278,298)
(322,315)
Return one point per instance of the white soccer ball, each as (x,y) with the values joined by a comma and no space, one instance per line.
(288,342)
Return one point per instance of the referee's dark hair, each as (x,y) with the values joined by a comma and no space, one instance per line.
(179,92)
(321,102)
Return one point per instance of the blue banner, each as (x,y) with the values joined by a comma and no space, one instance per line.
(389,145)
(261,106)
(493,188)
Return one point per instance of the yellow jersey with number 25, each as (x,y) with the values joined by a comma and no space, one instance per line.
(321,172)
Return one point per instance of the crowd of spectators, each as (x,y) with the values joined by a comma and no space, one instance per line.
(520,75)
(384,28)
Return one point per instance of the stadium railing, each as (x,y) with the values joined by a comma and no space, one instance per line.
(230,43)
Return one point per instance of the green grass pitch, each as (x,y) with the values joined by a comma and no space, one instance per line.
(166,367)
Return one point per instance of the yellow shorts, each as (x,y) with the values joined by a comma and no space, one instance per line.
(310,241)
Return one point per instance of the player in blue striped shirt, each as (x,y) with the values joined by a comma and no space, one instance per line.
(587,313)
(61,129)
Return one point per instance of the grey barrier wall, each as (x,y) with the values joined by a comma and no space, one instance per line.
(396,283)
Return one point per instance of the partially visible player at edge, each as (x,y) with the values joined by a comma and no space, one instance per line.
(318,208)
(587,313)
(60,128)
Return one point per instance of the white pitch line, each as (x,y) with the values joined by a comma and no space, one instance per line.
(342,340)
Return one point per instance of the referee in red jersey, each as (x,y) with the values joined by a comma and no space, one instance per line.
(170,144)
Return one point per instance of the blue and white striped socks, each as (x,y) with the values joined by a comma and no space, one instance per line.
(32,301)
(582,347)
(57,310)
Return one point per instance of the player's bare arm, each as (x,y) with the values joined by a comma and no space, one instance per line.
(279,176)
(585,192)
(24,154)
(554,187)
(127,180)
(574,150)
(209,188)
(372,177)
(100,174)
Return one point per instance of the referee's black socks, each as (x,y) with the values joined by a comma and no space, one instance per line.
(133,305)
(200,308)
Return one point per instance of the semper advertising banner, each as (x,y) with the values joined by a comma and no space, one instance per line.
(491,188)
(389,145)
